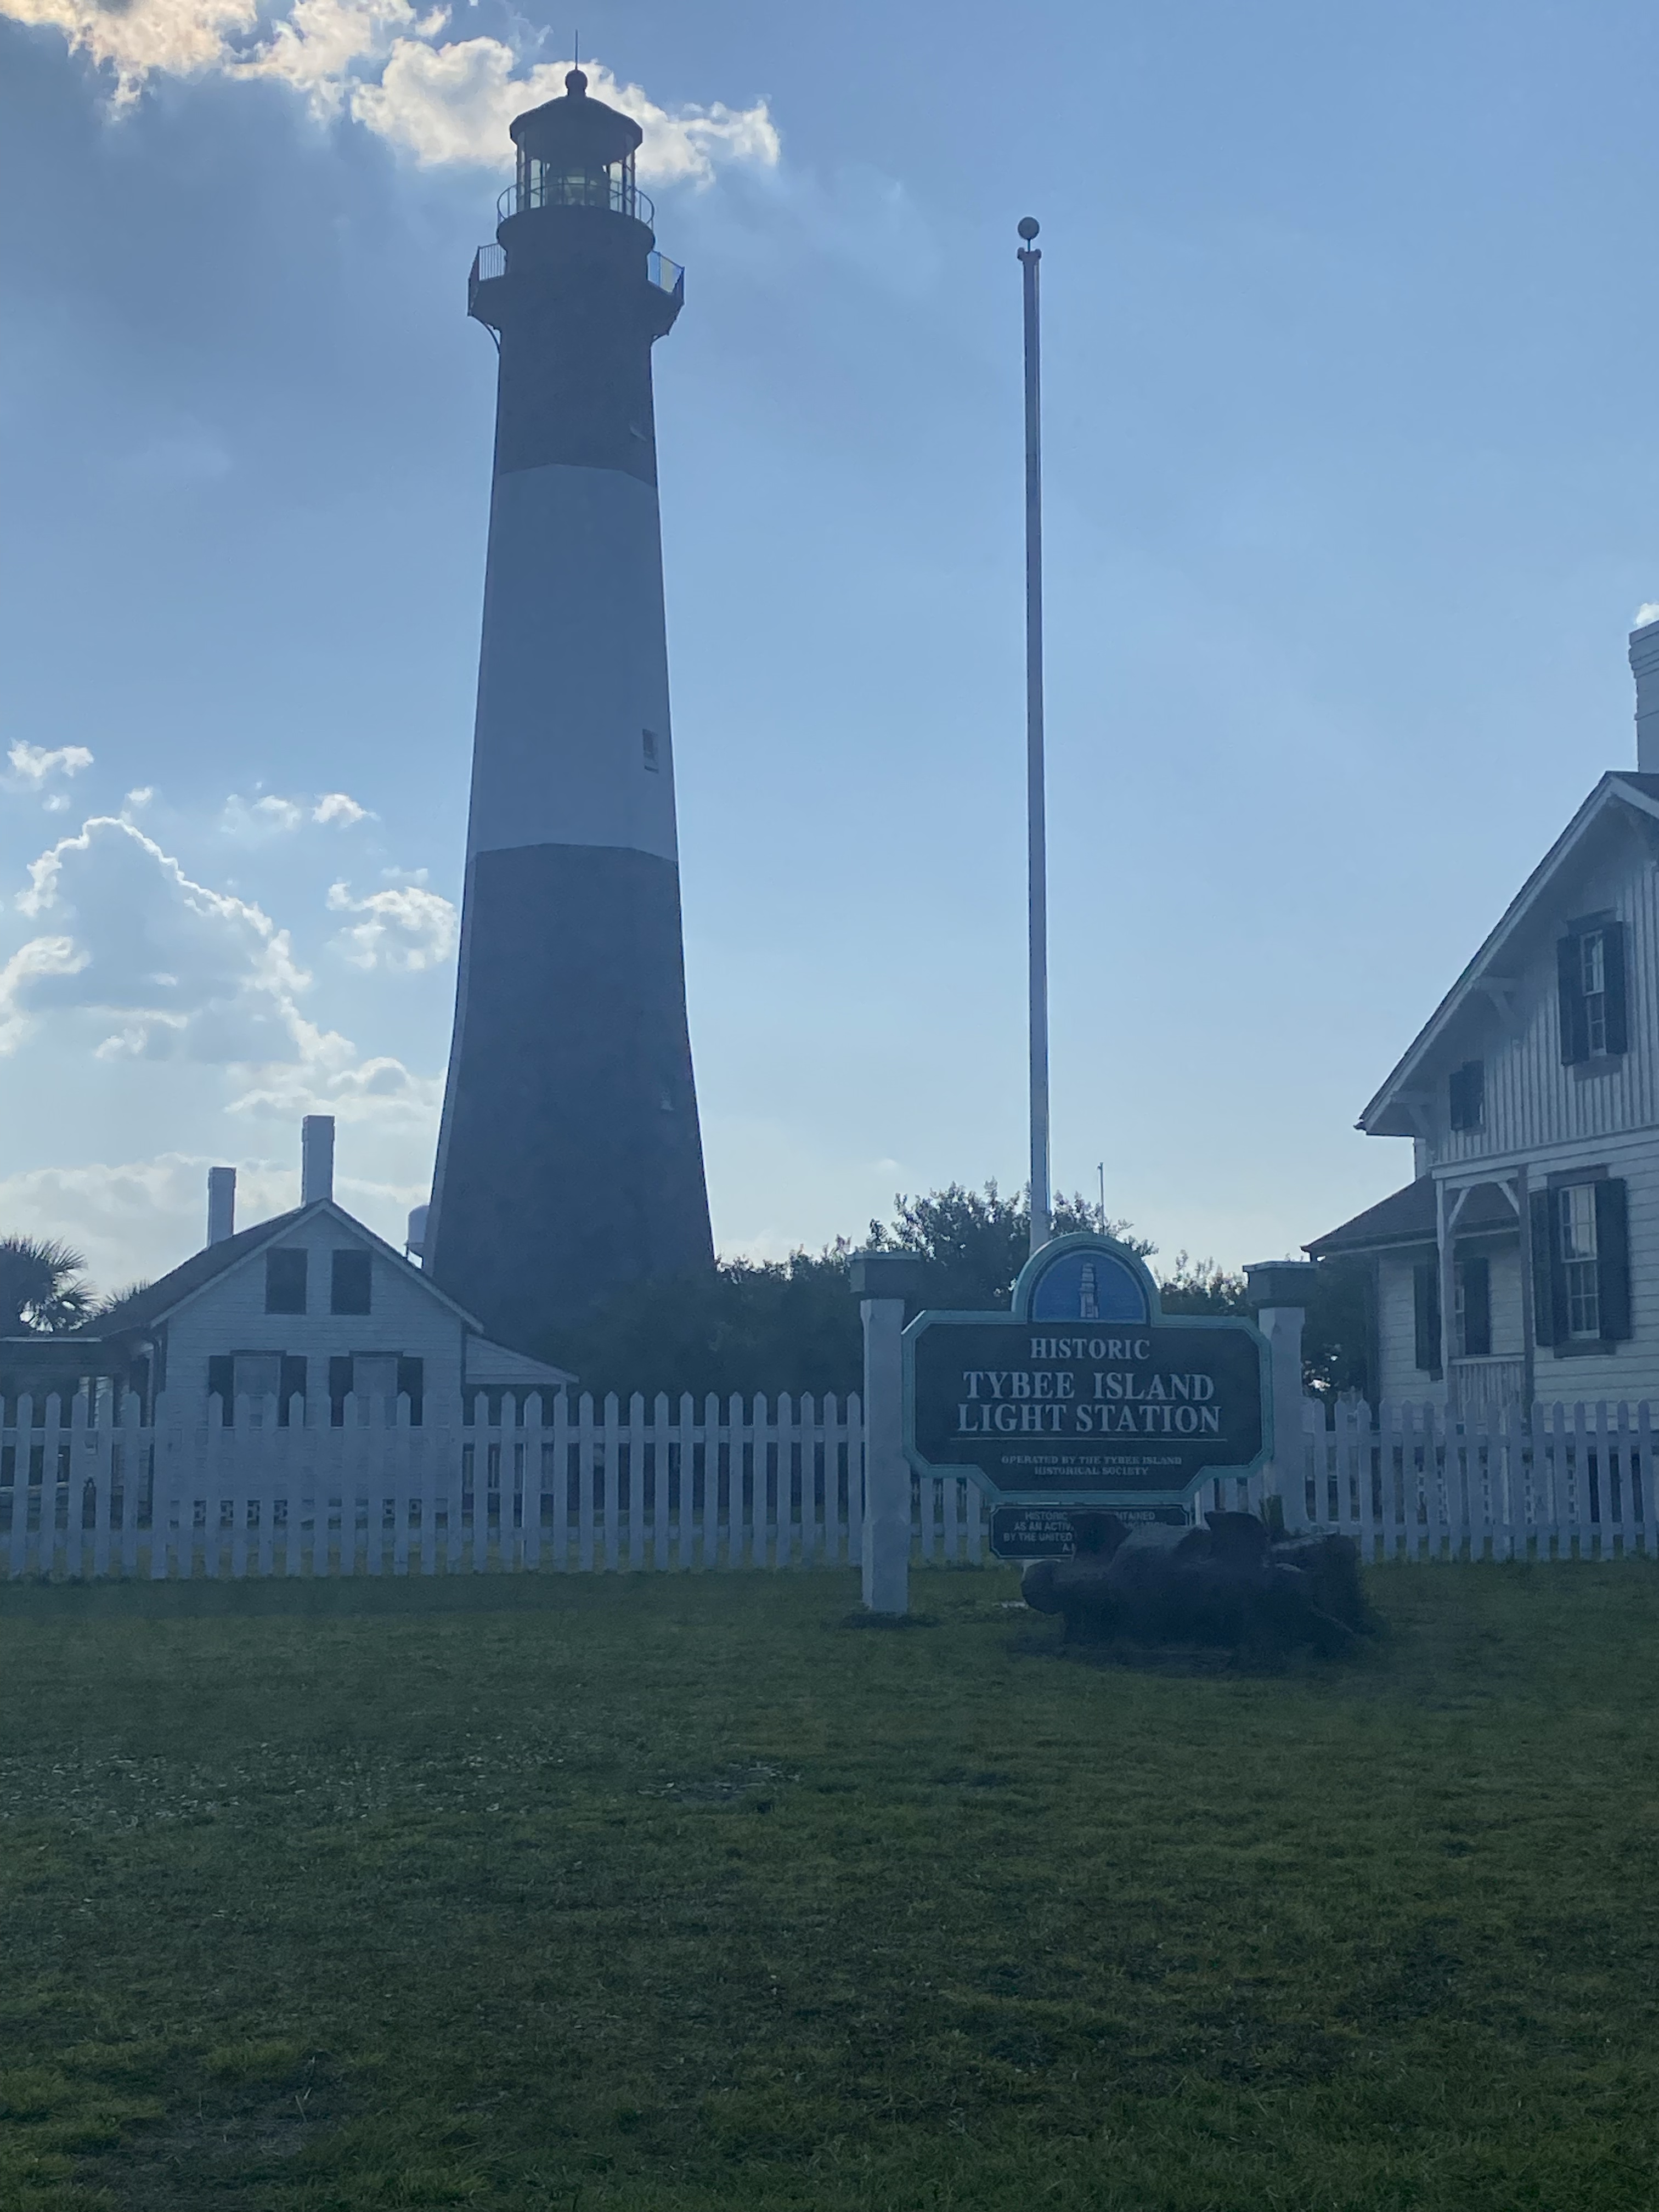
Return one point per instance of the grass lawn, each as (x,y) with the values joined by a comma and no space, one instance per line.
(679,1891)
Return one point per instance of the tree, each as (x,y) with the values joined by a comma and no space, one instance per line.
(1199,1287)
(973,1243)
(793,1324)
(42,1287)
(1337,1334)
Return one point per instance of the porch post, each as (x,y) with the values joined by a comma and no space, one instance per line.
(1446,1270)
(1528,1316)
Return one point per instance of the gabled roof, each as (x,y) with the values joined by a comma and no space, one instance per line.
(145,1308)
(493,1367)
(1388,1114)
(149,1305)
(1407,1216)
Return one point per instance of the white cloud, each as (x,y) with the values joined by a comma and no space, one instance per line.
(184,972)
(139,798)
(177,38)
(33,764)
(30,965)
(386,66)
(135,1219)
(453,103)
(255,821)
(338,806)
(1647,612)
(407,929)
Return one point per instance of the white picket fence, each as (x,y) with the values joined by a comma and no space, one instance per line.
(735,1483)
(669,1486)
(1550,1481)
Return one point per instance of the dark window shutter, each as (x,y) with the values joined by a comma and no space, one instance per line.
(293,1385)
(411,1383)
(349,1283)
(1549,1283)
(1466,1089)
(1477,1308)
(1425,1315)
(1575,1029)
(222,1384)
(339,1388)
(1612,973)
(285,1280)
(1613,1258)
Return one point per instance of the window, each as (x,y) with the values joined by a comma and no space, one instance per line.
(1472,1308)
(1581,1262)
(1593,987)
(376,1380)
(1426,1316)
(1576,1213)
(256,1374)
(1467,1088)
(648,737)
(349,1283)
(1590,981)
(285,1281)
(245,1382)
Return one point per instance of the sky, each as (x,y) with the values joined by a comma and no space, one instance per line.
(1351,468)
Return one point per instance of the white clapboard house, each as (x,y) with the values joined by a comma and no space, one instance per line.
(1521,1263)
(309,1305)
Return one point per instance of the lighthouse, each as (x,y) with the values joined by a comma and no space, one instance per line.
(569,1157)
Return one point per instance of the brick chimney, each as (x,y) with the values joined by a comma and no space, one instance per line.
(316,1159)
(1644,667)
(222,1204)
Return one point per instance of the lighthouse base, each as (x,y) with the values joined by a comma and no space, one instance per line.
(570,1160)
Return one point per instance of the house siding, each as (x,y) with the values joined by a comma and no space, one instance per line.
(1396,1328)
(1532,1102)
(228,1315)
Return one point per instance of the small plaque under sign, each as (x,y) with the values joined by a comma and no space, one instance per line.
(1051,1532)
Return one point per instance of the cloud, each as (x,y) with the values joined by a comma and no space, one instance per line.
(388,68)
(176,38)
(453,104)
(33,963)
(181,971)
(1647,612)
(253,822)
(135,1219)
(338,806)
(138,1217)
(408,928)
(33,764)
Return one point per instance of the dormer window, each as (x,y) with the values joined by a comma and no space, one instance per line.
(1590,979)
(1466,1087)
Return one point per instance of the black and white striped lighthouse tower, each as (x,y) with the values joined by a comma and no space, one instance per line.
(569,1159)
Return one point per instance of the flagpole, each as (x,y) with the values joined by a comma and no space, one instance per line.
(1037,857)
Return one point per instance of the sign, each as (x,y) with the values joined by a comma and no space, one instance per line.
(1083,1392)
(1051,1532)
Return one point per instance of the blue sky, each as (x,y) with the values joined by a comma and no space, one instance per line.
(1351,474)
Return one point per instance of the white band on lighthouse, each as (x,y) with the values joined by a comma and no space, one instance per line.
(572,742)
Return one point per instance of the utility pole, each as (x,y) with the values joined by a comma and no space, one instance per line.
(1037,855)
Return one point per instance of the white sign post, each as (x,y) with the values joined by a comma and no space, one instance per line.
(880,1280)
(1279,1289)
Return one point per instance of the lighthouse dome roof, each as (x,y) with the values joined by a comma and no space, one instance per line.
(576,133)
